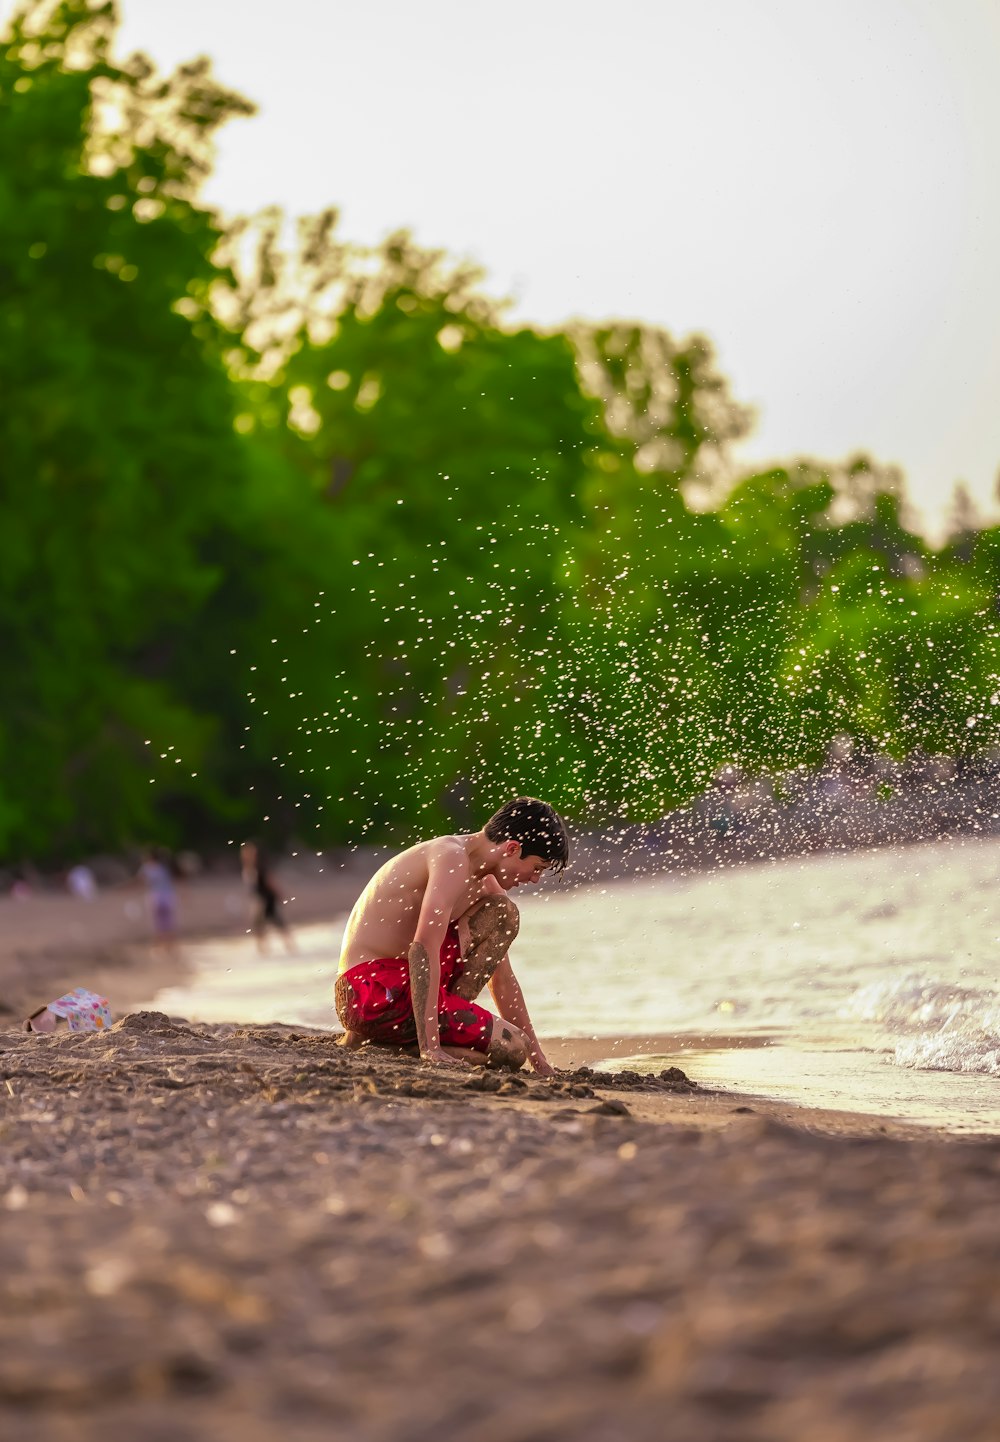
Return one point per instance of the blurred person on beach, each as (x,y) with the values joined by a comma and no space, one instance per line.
(21,888)
(267,896)
(80,882)
(162,897)
(433,928)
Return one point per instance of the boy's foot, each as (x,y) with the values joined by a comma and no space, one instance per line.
(351,1041)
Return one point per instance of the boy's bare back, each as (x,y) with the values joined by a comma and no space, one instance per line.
(385,915)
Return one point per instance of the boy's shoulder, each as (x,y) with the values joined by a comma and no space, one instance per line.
(437,859)
(432,853)
(446,848)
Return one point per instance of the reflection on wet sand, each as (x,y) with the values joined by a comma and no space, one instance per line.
(617,1052)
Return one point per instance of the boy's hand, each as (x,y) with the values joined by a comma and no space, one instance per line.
(540,1064)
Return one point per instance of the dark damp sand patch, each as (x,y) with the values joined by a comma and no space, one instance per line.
(230,1234)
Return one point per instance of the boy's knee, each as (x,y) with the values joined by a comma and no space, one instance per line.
(495,915)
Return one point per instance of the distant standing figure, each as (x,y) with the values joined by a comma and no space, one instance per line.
(20,888)
(162,894)
(80,882)
(267,896)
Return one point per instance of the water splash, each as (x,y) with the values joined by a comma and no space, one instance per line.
(944,1027)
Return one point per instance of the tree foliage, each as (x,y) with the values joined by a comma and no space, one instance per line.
(304,536)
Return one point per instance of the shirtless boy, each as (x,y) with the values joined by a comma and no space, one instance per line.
(433,927)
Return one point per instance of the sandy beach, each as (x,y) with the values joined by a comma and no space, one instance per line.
(222,1232)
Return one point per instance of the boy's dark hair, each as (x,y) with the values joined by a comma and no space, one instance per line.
(536,826)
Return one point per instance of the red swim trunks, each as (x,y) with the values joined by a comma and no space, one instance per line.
(373,999)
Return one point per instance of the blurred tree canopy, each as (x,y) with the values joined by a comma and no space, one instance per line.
(120,466)
(303,537)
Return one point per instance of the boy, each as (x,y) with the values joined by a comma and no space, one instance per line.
(433,927)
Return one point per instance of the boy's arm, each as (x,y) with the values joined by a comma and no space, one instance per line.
(444,882)
(506,992)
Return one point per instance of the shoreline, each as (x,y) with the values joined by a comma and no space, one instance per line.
(49,938)
(52,942)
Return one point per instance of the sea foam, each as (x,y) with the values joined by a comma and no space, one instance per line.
(936,1025)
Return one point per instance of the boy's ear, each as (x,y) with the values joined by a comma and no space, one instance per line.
(512,848)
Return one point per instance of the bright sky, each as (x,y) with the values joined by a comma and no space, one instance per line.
(812,183)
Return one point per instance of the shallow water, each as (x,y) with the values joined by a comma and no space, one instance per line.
(868,981)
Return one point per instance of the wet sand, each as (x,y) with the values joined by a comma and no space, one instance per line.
(231,1234)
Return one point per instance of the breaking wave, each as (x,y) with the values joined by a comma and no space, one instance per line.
(935,1026)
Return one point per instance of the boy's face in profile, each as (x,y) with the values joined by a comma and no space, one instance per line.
(517,870)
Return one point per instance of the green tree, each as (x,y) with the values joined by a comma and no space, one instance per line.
(119,464)
(442,455)
(308,534)
(637,689)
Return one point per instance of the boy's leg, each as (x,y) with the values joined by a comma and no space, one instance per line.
(485,935)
